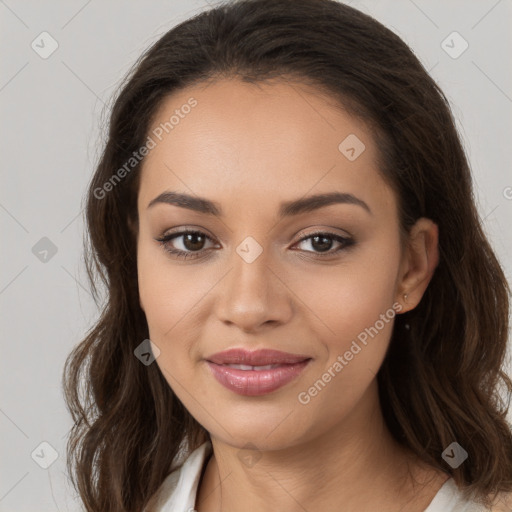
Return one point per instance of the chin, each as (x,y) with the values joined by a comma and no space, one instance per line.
(260,432)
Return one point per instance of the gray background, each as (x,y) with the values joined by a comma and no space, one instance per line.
(51,111)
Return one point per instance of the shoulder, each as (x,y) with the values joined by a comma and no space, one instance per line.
(452,498)
(500,503)
(503,503)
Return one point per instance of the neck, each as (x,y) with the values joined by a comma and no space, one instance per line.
(354,466)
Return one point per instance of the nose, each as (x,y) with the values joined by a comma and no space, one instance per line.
(254,296)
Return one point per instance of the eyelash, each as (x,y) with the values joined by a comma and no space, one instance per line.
(178,253)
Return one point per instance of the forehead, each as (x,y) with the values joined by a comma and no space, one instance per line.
(259,141)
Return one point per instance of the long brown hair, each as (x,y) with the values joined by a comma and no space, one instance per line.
(442,376)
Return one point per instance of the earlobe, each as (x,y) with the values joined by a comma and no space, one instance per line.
(420,261)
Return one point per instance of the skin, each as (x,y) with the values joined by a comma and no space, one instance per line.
(248,148)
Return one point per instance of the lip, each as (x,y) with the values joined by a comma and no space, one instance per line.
(286,367)
(260,357)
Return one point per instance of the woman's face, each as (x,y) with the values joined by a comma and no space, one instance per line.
(256,277)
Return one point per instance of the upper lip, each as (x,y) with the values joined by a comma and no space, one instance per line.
(260,357)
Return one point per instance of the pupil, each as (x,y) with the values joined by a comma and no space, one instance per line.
(191,242)
(324,245)
(195,241)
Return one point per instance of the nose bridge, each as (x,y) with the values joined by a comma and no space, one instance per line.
(251,294)
(251,271)
(250,276)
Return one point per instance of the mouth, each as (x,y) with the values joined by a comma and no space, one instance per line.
(249,367)
(255,373)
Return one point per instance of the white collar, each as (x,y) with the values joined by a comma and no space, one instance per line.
(178,491)
(450,499)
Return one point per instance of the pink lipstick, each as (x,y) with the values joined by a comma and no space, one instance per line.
(253,373)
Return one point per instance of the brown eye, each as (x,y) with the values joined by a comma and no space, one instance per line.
(188,242)
(193,241)
(323,242)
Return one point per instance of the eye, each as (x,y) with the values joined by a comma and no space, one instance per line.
(191,242)
(322,243)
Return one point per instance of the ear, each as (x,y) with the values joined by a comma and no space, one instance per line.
(419,261)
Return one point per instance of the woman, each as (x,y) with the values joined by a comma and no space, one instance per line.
(302,309)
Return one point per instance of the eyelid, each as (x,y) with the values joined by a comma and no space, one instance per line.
(184,230)
(332,231)
(345,241)
(167,236)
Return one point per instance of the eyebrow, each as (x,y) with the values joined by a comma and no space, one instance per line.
(287,208)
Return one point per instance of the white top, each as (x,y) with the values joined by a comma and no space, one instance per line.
(178,491)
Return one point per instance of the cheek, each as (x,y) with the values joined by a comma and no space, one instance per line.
(171,297)
(162,299)
(355,308)
(153,289)
(352,297)
(167,293)
(164,308)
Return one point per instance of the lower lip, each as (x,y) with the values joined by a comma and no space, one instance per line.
(254,382)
